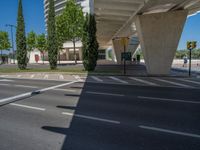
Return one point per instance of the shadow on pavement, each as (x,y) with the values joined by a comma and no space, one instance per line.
(67,107)
(88,133)
(100,122)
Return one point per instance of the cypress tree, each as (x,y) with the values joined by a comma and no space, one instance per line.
(85,43)
(93,54)
(51,39)
(90,44)
(21,39)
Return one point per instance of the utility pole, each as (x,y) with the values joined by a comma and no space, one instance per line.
(124,59)
(11,30)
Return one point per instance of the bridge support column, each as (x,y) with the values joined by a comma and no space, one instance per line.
(118,48)
(159,35)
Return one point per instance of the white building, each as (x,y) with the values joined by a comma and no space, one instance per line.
(68,51)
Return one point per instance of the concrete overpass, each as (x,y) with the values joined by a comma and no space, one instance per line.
(158,24)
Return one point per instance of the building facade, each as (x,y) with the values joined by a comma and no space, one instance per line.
(68,52)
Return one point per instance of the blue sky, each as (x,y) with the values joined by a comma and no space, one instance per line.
(34,19)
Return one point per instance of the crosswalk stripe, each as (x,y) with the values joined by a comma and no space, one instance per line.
(119,80)
(32,76)
(173,83)
(143,81)
(186,80)
(46,76)
(97,79)
(61,77)
(78,78)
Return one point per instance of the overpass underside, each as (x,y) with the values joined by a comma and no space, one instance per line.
(156,25)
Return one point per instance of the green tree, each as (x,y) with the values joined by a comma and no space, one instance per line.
(31,42)
(41,44)
(90,44)
(52,38)
(4,42)
(70,24)
(21,39)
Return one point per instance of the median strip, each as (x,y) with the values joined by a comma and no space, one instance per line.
(29,94)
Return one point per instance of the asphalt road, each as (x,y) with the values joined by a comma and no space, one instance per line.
(53,115)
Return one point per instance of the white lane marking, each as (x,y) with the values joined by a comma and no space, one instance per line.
(119,80)
(32,76)
(5,84)
(61,77)
(170,131)
(25,86)
(6,80)
(108,94)
(143,81)
(166,99)
(190,81)
(29,107)
(96,79)
(31,93)
(91,118)
(65,90)
(173,83)
(46,76)
(18,85)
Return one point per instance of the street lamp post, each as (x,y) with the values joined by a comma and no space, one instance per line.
(11,30)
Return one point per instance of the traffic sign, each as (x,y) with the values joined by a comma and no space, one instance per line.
(124,41)
(191,45)
(126,56)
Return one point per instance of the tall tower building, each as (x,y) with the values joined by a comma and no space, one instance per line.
(67,53)
(60,6)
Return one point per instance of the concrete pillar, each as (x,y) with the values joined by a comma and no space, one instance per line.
(159,35)
(133,44)
(119,48)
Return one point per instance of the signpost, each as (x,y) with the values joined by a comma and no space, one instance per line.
(190,46)
(125,55)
